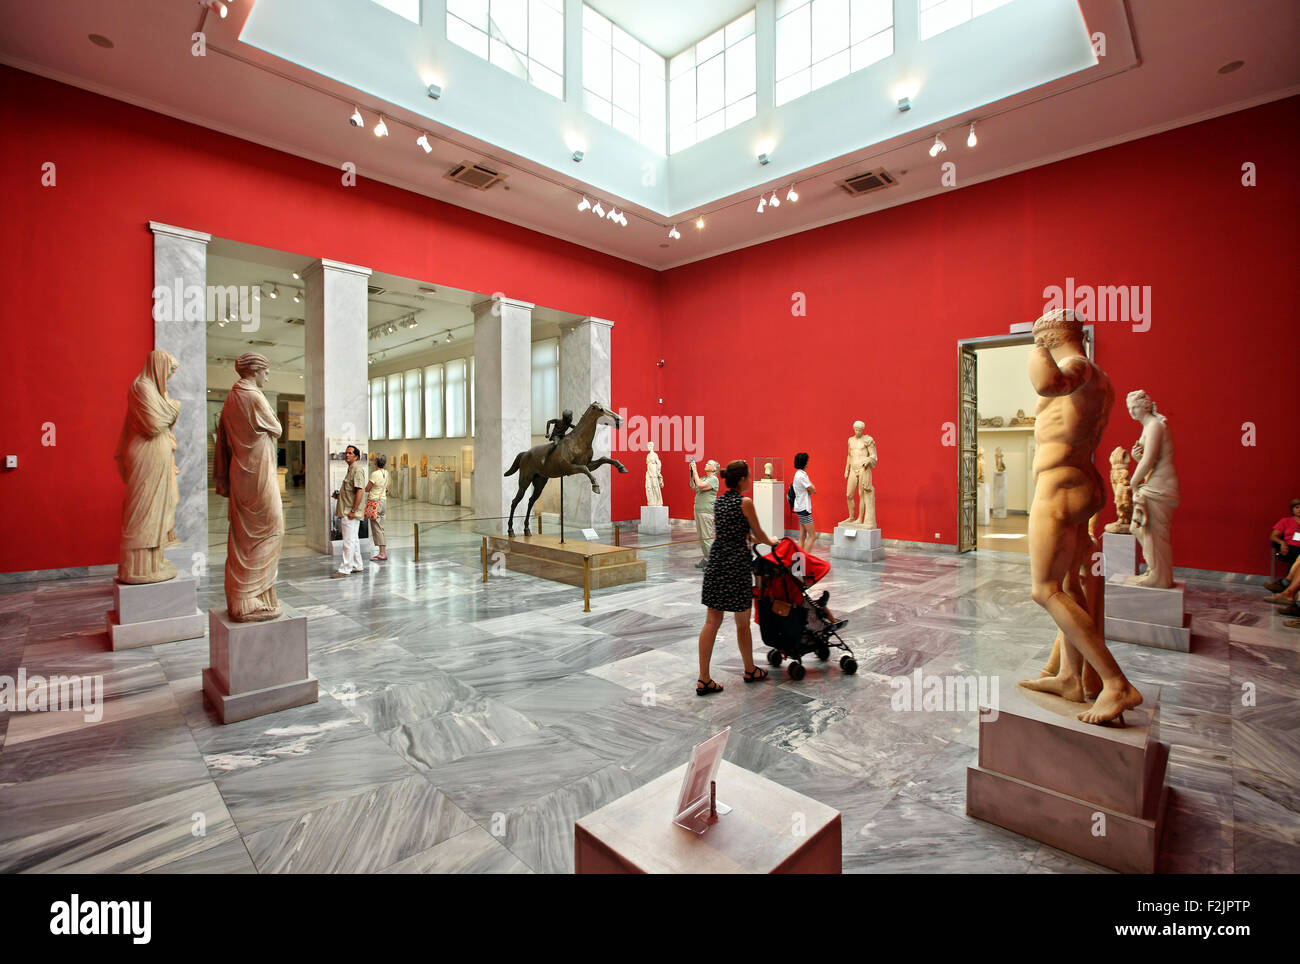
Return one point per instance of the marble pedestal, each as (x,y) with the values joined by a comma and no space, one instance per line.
(981,503)
(257,668)
(1120,554)
(998,503)
(442,488)
(422,489)
(770,506)
(654,520)
(281,477)
(156,612)
(1094,791)
(852,541)
(1150,617)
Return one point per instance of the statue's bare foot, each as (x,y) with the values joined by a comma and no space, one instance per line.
(1091,682)
(1066,687)
(1114,700)
(595,487)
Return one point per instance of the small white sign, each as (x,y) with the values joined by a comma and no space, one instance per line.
(589,535)
(850,533)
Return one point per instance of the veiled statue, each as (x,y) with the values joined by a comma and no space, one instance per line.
(146,461)
(1155,492)
(654,476)
(244,471)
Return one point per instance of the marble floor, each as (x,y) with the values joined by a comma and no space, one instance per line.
(463,726)
(1005,535)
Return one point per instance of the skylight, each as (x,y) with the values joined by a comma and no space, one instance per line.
(820,41)
(711,86)
(410,9)
(524,37)
(940,15)
(622,81)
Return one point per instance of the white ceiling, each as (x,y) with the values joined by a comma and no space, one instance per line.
(670,26)
(1173,80)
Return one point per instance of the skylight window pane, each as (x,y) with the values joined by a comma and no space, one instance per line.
(684,61)
(741,77)
(473,12)
(831,69)
(873,50)
(984,6)
(652,100)
(740,112)
(596,66)
(597,107)
(708,126)
(546,36)
(626,122)
(740,28)
(545,79)
(502,56)
(510,23)
(682,97)
(709,95)
(868,18)
(626,44)
(627,83)
(651,63)
(794,42)
(598,25)
(936,17)
(410,9)
(784,7)
(463,35)
(796,85)
(830,30)
(623,81)
(710,45)
(682,137)
(652,134)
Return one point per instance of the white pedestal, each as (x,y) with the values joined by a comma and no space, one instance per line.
(156,612)
(408,485)
(981,503)
(1150,617)
(1119,553)
(467,492)
(654,520)
(770,504)
(257,668)
(422,488)
(858,543)
(998,506)
(442,488)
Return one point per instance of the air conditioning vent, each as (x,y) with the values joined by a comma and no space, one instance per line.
(261,344)
(474,175)
(295,321)
(868,181)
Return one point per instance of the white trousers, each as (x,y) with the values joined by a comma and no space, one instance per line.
(351,561)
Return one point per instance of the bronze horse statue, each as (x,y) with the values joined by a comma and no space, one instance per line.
(571,455)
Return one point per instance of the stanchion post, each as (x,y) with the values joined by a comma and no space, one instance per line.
(539,520)
(616,531)
(416,525)
(483,552)
(586,584)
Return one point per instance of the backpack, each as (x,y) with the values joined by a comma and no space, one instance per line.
(789,496)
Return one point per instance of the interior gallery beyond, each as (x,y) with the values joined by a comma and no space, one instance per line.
(597,437)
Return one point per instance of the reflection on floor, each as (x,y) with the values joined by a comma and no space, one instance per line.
(463,726)
(1005,535)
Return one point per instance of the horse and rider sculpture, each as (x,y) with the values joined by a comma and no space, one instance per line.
(569,454)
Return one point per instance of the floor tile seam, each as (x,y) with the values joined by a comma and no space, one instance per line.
(478,823)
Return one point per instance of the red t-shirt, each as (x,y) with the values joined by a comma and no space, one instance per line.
(1290,529)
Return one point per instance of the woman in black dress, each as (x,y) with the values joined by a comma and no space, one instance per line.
(728,580)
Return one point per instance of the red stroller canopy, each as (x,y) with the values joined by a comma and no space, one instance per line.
(787,552)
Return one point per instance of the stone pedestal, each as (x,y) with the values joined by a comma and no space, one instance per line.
(981,503)
(422,489)
(1151,617)
(1094,791)
(1120,553)
(654,520)
(257,668)
(156,612)
(467,492)
(998,504)
(770,505)
(442,488)
(858,543)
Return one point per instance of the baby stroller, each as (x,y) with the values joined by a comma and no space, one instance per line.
(782,609)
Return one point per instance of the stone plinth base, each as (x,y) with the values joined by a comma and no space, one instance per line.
(1147,616)
(257,668)
(981,503)
(654,520)
(156,612)
(545,557)
(1094,791)
(857,543)
(1120,554)
(998,503)
(467,493)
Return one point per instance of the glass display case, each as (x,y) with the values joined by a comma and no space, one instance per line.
(770,468)
(442,479)
(767,489)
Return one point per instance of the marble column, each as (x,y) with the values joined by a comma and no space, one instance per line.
(337,379)
(503,399)
(180,262)
(585,378)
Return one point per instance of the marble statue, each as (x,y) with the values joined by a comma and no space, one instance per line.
(1155,492)
(244,471)
(1076,401)
(405,463)
(999,463)
(147,464)
(424,466)
(767,470)
(1119,485)
(1022,419)
(979,465)
(857,469)
(654,479)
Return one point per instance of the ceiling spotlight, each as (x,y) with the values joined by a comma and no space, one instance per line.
(762,205)
(297,298)
(622,219)
(434,91)
(381,129)
(674,234)
(699,222)
(938,147)
(423,141)
(971,140)
(448,339)
(297,276)
(390,329)
(613,214)
(356,120)
(793,195)
(584,204)
(598,210)
(275,292)
(578,155)
(904,104)
(223,322)
(217,7)
(370,360)
(764,159)
(774,201)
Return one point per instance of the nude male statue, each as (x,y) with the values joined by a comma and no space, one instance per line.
(857,469)
(1076,400)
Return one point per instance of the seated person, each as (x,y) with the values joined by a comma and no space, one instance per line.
(820,617)
(1285,538)
(1285,597)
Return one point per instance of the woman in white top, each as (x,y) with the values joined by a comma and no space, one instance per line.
(803,490)
(377,491)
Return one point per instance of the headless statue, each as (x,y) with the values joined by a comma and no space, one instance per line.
(654,478)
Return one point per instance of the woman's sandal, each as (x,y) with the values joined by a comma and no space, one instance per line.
(755,674)
(705,688)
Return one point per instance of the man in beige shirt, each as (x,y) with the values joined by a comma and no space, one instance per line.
(351,495)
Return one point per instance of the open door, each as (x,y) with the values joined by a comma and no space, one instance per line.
(967,384)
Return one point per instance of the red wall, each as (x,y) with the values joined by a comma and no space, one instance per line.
(889,295)
(77,269)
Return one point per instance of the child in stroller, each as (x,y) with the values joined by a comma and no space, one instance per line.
(790,621)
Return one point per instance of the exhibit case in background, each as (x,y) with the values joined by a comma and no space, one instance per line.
(769,484)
